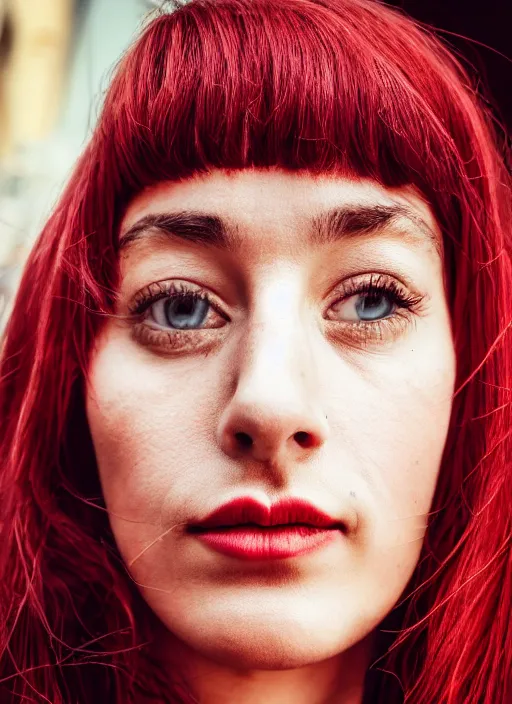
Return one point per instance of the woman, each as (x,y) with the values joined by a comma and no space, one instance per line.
(255,384)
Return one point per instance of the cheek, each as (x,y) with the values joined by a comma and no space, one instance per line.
(406,405)
(146,427)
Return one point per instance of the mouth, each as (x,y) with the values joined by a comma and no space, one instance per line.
(248,530)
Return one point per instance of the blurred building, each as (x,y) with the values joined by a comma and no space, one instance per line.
(56,60)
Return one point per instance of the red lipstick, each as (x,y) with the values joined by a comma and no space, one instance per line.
(248,530)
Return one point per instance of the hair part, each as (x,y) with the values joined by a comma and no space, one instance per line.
(347,87)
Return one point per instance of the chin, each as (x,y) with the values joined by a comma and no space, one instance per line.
(258,651)
(275,645)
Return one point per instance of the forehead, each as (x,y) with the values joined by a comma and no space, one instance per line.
(259,198)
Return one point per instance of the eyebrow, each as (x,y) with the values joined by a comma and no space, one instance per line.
(326,228)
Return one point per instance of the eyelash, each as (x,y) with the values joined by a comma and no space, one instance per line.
(172,339)
(167,289)
(405,303)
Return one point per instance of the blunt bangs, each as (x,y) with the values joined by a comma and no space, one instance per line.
(236,84)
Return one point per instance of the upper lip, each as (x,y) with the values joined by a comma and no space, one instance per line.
(287,511)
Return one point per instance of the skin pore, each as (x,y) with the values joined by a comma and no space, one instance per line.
(326,316)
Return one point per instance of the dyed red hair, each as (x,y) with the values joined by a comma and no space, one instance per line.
(346,86)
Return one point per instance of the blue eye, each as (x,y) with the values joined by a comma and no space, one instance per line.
(374,306)
(181,312)
(368,307)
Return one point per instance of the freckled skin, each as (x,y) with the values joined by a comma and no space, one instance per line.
(163,420)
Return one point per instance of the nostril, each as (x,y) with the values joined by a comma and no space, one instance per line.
(304,439)
(243,439)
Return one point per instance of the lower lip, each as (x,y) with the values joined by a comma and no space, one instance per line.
(248,543)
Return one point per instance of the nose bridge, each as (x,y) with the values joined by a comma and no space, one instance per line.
(276,364)
(275,411)
(273,349)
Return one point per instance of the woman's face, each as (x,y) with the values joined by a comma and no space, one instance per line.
(317,364)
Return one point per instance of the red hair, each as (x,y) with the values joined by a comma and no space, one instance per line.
(345,86)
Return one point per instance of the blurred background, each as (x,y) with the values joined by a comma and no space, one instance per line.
(56,60)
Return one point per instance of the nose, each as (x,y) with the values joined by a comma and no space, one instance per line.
(274,415)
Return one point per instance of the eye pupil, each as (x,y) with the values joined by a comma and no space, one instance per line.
(181,307)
